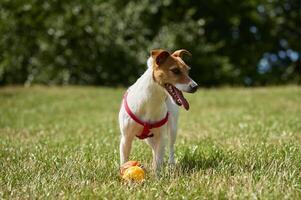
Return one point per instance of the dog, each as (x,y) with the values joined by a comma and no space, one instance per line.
(150,105)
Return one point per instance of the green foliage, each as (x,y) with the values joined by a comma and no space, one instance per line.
(107,42)
(62,143)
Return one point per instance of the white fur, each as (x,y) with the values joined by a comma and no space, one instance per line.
(185,87)
(150,102)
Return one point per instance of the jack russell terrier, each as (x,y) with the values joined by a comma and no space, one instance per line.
(149,107)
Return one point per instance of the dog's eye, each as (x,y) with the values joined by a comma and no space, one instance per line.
(176,71)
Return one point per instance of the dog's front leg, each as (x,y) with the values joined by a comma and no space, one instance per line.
(125,148)
(172,128)
(158,149)
(159,152)
(172,140)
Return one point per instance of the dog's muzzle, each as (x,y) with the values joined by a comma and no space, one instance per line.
(193,86)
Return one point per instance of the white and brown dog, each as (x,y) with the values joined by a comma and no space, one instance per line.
(150,108)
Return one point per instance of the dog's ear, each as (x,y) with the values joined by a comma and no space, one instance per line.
(181,52)
(160,56)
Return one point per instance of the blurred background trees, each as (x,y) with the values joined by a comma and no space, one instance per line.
(100,42)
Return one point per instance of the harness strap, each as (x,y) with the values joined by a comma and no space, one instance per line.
(146,126)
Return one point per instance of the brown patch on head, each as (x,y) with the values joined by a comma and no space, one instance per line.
(170,68)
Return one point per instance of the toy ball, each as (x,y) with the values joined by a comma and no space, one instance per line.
(132,171)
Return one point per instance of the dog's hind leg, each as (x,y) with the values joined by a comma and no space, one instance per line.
(172,128)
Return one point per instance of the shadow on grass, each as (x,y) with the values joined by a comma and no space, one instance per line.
(201,158)
(7,95)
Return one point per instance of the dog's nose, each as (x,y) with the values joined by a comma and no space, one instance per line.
(193,87)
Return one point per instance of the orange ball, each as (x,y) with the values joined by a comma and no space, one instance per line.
(132,171)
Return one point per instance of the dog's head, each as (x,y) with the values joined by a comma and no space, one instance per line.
(172,73)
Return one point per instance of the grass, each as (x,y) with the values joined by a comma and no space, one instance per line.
(233,144)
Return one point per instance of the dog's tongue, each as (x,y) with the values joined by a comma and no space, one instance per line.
(182,99)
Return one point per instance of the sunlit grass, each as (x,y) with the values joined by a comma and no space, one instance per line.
(233,143)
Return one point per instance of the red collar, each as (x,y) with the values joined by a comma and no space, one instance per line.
(146,126)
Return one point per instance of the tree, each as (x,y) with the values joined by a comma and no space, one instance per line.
(108,42)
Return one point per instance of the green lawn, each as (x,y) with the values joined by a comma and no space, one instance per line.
(232,144)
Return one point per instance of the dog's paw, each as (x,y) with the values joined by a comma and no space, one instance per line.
(171,163)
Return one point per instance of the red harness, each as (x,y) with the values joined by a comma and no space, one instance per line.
(146,126)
